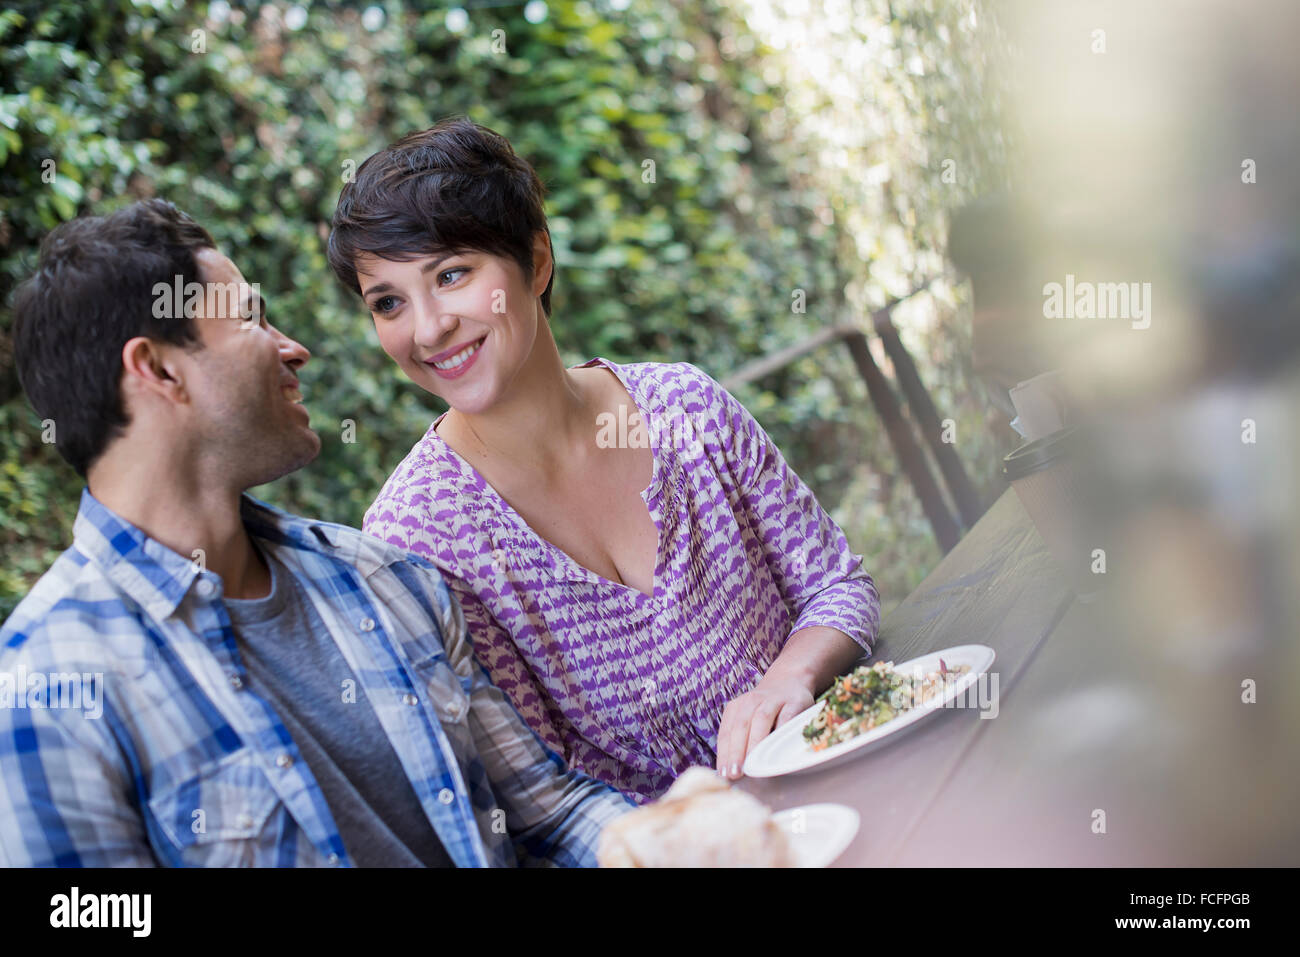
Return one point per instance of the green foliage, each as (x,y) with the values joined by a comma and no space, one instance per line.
(251,127)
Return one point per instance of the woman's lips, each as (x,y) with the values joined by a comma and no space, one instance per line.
(461,369)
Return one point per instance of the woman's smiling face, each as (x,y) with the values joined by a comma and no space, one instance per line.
(460,325)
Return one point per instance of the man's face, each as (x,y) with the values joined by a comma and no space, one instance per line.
(247,411)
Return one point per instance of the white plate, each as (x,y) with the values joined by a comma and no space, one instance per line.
(818,833)
(784,751)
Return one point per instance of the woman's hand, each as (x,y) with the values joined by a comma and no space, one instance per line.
(750,718)
(810,660)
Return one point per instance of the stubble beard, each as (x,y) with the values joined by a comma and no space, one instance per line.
(261,454)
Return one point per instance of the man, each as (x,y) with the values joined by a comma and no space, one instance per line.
(202,679)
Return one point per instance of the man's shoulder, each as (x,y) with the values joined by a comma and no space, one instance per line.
(65,613)
(353,546)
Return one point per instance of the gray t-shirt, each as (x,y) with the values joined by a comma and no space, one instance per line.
(295,666)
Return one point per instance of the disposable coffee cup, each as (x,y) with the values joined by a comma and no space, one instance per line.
(1040,405)
(1046,476)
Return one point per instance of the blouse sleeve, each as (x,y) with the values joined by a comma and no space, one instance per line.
(822,580)
(491,641)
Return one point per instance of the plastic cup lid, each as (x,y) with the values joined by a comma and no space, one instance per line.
(1040,454)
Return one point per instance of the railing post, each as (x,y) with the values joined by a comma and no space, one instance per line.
(947,529)
(927,417)
(900,435)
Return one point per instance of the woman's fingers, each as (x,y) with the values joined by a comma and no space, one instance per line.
(733,732)
(760,725)
(790,710)
(724,737)
(749,719)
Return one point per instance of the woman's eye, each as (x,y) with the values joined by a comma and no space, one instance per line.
(449,272)
(385,304)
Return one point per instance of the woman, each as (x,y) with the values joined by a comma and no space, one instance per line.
(640,571)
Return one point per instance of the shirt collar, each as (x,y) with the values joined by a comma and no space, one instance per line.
(156,577)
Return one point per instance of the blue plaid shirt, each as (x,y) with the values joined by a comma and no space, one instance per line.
(183,765)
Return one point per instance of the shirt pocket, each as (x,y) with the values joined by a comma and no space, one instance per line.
(226,815)
(449,694)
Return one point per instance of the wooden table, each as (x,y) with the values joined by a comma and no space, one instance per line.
(1093,729)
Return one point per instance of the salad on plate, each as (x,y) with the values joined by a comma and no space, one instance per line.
(870,695)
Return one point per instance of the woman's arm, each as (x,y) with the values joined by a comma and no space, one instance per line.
(552,814)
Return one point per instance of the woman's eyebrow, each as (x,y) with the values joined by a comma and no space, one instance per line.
(426,268)
(434,264)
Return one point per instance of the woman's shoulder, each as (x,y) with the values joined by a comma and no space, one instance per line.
(692,413)
(669,384)
(424,500)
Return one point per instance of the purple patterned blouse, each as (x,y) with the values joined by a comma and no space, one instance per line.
(627,687)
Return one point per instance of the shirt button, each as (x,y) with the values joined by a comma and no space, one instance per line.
(445,796)
(237,682)
(285,760)
(332,860)
(206,589)
(410,699)
(366,624)
(453,710)
(244,822)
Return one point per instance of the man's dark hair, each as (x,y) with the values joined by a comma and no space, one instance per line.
(93,290)
(455,187)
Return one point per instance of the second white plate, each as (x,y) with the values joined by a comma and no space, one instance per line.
(818,833)
(785,751)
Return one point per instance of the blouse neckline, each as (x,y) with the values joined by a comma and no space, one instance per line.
(562,563)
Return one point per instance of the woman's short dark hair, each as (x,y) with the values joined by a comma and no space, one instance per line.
(92,291)
(455,187)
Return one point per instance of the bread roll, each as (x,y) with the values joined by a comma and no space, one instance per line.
(701,822)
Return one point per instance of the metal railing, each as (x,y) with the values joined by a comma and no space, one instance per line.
(947,526)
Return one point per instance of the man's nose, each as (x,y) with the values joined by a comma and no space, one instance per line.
(292,352)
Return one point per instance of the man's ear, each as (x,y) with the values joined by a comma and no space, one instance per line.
(150,366)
